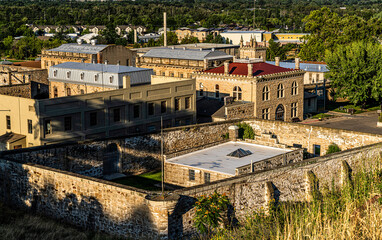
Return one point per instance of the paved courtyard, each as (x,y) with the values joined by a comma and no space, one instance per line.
(365,122)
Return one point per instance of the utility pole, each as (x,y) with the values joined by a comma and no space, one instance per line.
(161,153)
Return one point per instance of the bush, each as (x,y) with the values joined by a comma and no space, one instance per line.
(380,117)
(246,131)
(210,212)
(333,148)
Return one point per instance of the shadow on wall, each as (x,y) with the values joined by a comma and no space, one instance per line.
(45,196)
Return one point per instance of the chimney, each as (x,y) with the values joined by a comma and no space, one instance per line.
(277,61)
(126,82)
(79,41)
(10,78)
(297,62)
(135,36)
(226,68)
(93,42)
(165,29)
(250,69)
(205,64)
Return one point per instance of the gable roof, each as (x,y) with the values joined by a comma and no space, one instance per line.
(188,54)
(259,69)
(79,48)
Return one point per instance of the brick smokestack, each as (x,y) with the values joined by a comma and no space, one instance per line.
(226,68)
(165,29)
(135,36)
(297,62)
(277,61)
(250,70)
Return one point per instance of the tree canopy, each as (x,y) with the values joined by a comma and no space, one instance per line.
(355,72)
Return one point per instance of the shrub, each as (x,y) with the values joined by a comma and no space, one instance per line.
(380,117)
(246,131)
(333,148)
(209,212)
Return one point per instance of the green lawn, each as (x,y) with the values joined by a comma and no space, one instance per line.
(343,106)
(322,115)
(146,181)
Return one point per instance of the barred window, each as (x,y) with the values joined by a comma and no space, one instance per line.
(265,113)
(191,174)
(207,177)
(280,91)
(237,93)
(294,110)
(265,93)
(217,93)
(294,88)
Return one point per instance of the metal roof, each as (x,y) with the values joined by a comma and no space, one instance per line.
(239,153)
(215,158)
(79,48)
(187,54)
(309,67)
(100,67)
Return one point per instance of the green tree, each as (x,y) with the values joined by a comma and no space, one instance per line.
(188,39)
(355,72)
(333,148)
(172,39)
(276,50)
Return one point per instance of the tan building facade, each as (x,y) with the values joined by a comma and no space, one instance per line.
(277,93)
(88,53)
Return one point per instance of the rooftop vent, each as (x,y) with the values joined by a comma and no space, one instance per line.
(239,153)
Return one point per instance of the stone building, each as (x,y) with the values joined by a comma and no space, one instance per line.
(252,50)
(181,63)
(23,72)
(200,33)
(277,93)
(129,110)
(73,78)
(89,53)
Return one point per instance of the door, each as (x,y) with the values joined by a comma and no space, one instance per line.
(280,112)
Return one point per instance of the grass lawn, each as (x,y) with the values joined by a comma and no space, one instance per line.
(146,181)
(322,115)
(17,224)
(343,106)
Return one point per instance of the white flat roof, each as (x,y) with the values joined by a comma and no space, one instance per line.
(215,158)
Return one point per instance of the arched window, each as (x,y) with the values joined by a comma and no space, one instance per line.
(68,73)
(217,94)
(82,75)
(68,92)
(280,91)
(265,93)
(55,73)
(294,88)
(236,93)
(111,78)
(55,92)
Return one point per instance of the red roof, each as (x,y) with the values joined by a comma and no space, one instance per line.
(31,64)
(259,69)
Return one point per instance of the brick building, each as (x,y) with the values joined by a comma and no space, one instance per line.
(181,63)
(88,53)
(277,93)
(73,78)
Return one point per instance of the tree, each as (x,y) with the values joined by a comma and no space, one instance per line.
(276,50)
(355,72)
(188,39)
(333,148)
(172,39)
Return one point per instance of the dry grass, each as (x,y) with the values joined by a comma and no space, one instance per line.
(16,224)
(355,212)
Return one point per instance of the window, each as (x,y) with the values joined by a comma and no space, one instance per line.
(207,177)
(309,103)
(54,73)
(181,75)
(265,93)
(82,75)
(30,127)
(237,93)
(68,123)
(55,92)
(48,127)
(317,150)
(187,104)
(201,92)
(317,77)
(163,74)
(93,119)
(171,74)
(177,104)
(136,111)
(96,77)
(150,109)
(294,88)
(191,174)
(117,115)
(294,110)
(82,91)
(111,78)
(68,92)
(217,91)
(163,107)
(68,73)
(265,113)
(8,120)
(280,91)
(310,77)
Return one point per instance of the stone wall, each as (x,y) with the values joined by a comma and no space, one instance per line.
(246,110)
(26,90)
(84,202)
(306,136)
(247,193)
